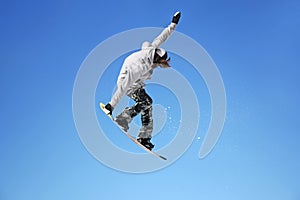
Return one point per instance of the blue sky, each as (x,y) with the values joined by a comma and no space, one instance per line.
(255,45)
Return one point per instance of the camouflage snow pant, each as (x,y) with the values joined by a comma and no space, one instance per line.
(143,105)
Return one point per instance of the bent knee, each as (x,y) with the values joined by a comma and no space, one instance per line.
(149,101)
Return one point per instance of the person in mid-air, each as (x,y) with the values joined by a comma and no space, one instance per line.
(137,68)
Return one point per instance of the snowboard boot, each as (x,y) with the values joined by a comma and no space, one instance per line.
(124,119)
(146,143)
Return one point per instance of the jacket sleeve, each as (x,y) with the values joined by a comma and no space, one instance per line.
(125,80)
(164,35)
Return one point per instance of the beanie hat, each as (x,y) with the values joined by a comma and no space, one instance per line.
(162,53)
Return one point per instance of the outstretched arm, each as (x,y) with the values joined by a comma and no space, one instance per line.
(167,32)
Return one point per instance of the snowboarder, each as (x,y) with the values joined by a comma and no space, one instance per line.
(137,68)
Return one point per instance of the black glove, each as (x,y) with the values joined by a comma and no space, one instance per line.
(109,108)
(176,17)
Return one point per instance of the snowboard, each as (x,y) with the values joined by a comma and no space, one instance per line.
(102,106)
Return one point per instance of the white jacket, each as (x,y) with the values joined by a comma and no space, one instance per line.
(138,66)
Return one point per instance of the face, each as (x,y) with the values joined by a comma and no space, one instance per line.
(162,63)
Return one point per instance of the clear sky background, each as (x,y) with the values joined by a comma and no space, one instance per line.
(255,45)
